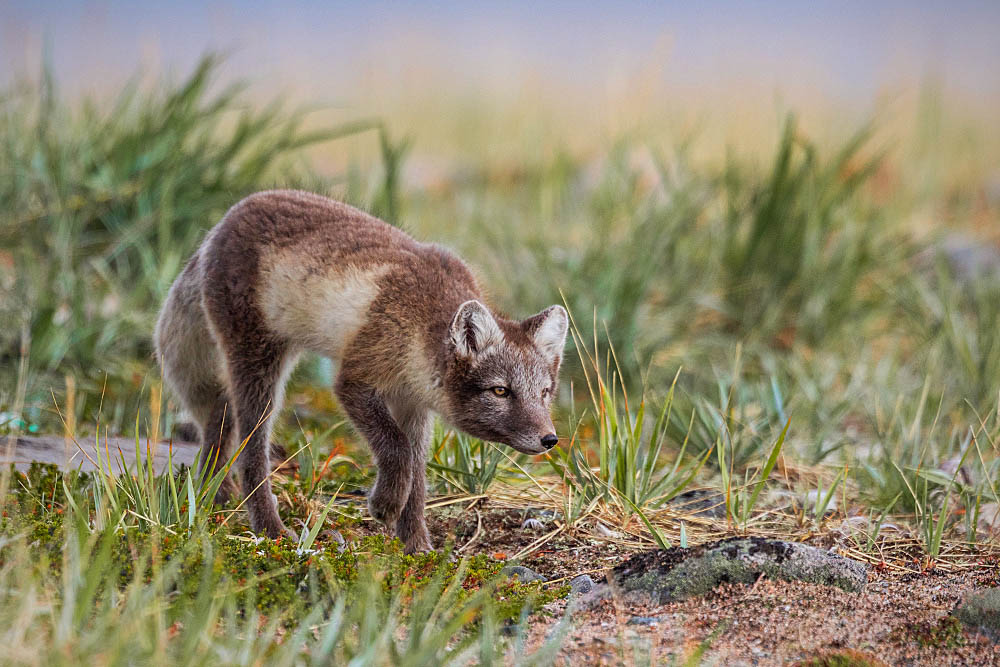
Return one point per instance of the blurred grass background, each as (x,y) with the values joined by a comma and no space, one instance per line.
(776,229)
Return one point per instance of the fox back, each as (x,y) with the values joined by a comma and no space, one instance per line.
(286,272)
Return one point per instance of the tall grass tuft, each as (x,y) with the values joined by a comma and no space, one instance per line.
(100,205)
(799,249)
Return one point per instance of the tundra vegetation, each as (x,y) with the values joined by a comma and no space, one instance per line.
(800,334)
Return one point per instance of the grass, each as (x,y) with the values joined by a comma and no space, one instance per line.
(131,589)
(778,334)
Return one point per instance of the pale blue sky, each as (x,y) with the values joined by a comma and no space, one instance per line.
(844,49)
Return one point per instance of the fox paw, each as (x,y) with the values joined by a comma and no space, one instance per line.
(274,528)
(414,536)
(386,502)
(264,519)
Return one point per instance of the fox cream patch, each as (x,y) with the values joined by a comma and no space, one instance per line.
(322,311)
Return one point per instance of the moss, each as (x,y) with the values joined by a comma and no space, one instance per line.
(676,574)
(981,610)
(272,576)
(946,633)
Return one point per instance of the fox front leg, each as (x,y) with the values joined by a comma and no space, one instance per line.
(415,422)
(389,445)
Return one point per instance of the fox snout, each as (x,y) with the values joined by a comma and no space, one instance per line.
(548,438)
(542,439)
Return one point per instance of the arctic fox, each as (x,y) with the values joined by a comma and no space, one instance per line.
(288,271)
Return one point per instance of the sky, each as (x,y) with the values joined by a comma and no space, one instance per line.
(844,51)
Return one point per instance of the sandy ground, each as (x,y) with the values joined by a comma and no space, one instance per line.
(897,619)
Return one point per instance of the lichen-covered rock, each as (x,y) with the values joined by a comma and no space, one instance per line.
(981,610)
(523,574)
(676,574)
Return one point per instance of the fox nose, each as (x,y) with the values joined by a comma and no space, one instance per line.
(549,441)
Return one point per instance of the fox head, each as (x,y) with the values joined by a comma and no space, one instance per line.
(502,375)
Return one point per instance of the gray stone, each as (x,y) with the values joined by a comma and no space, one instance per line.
(700,502)
(67,455)
(587,601)
(970,258)
(521,573)
(338,539)
(676,574)
(644,620)
(532,524)
(581,584)
(981,610)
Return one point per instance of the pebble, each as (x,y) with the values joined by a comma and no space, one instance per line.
(644,620)
(581,584)
(338,539)
(604,531)
(521,573)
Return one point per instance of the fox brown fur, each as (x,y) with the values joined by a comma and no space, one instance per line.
(286,272)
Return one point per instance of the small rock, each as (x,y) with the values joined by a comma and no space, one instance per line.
(581,584)
(989,519)
(338,539)
(981,610)
(676,574)
(523,574)
(648,621)
(970,258)
(606,532)
(587,601)
(700,502)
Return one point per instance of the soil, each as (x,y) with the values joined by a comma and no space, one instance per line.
(898,619)
(774,623)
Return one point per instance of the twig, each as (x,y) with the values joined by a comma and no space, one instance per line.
(475,536)
(539,542)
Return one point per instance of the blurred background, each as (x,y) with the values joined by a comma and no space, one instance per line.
(795,205)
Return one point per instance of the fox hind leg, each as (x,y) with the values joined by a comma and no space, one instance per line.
(189,355)
(257,377)
(216,446)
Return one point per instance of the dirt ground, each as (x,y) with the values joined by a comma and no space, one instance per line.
(897,619)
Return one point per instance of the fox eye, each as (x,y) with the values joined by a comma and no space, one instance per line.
(502,392)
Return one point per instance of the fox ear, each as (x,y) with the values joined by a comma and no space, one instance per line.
(473,330)
(548,330)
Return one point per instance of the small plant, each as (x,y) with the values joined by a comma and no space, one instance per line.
(946,633)
(141,594)
(797,251)
(740,500)
(465,464)
(629,450)
(823,497)
(743,415)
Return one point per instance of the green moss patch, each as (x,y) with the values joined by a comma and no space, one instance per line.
(275,577)
(981,610)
